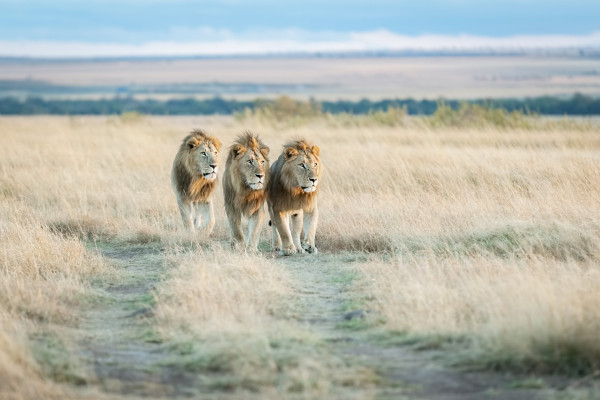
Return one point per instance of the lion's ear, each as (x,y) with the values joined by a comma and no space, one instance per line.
(289,153)
(192,143)
(237,150)
(217,144)
(265,152)
(315,150)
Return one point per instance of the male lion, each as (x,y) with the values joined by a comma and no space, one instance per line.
(244,180)
(194,177)
(292,195)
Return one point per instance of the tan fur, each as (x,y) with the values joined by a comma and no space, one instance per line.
(244,181)
(292,197)
(194,178)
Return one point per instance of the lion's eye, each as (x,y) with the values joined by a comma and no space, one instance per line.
(315,165)
(249,161)
(303,166)
(203,154)
(262,162)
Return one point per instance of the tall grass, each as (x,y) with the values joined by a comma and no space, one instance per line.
(42,277)
(534,314)
(481,230)
(225,314)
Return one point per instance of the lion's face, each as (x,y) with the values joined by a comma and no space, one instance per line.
(253,165)
(204,158)
(304,167)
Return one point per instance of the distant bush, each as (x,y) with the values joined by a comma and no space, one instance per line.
(392,116)
(282,110)
(132,117)
(470,115)
(289,112)
(476,116)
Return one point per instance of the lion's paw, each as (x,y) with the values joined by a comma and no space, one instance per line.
(253,250)
(238,246)
(287,251)
(309,249)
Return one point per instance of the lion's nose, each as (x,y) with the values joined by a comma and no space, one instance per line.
(214,166)
(313,180)
(260,176)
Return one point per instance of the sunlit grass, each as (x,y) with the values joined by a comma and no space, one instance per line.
(485,230)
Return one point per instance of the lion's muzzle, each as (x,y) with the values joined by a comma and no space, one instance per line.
(259,184)
(313,187)
(211,175)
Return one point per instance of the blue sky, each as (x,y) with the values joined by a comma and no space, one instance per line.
(138,22)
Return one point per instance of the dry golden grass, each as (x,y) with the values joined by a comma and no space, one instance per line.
(487,233)
(535,314)
(42,277)
(220,311)
(221,289)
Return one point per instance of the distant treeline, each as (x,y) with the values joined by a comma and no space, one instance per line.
(579,104)
(120,105)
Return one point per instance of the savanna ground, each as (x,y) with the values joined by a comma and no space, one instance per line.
(457,261)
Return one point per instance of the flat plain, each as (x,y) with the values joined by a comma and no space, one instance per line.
(324,78)
(454,263)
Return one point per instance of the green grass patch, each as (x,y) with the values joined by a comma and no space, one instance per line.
(528,383)
(55,359)
(356,324)
(421,341)
(231,362)
(553,240)
(571,359)
(145,300)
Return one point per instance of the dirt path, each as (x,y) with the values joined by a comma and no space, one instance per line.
(123,357)
(118,343)
(325,283)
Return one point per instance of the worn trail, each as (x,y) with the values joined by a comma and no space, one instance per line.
(327,305)
(123,356)
(117,343)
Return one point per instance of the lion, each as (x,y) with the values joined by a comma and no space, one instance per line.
(244,181)
(292,198)
(194,178)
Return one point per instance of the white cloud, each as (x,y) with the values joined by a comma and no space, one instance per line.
(207,41)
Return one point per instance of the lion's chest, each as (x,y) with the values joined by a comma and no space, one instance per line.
(251,202)
(199,190)
(295,199)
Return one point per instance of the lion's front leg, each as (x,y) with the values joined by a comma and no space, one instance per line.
(235,227)
(187,213)
(275,238)
(205,217)
(310,229)
(296,230)
(280,220)
(254,225)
